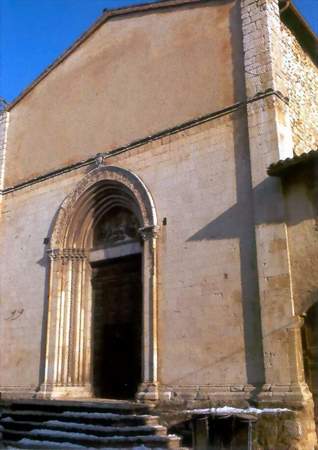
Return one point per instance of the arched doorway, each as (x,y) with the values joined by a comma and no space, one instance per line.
(310,353)
(106,230)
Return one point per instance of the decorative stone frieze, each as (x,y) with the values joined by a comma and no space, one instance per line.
(67,253)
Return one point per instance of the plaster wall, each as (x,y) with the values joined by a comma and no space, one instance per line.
(301,75)
(134,76)
(200,181)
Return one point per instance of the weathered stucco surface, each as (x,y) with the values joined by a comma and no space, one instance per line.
(301,76)
(132,78)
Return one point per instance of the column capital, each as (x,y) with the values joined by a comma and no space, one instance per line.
(295,323)
(66,253)
(149,232)
(148,392)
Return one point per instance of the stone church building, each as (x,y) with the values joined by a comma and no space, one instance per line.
(158,227)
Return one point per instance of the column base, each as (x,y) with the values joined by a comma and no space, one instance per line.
(148,392)
(294,395)
(51,392)
(17,393)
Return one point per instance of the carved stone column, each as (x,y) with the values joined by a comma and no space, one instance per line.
(148,390)
(68,347)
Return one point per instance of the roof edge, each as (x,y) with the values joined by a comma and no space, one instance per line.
(107,14)
(283,167)
(303,32)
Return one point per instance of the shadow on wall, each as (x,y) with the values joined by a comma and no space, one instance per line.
(300,185)
(238,221)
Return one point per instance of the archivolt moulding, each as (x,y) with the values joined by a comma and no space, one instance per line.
(126,180)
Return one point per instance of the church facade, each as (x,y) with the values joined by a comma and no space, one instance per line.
(159,215)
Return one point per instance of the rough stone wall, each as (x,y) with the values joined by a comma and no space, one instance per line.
(261,30)
(301,75)
(292,430)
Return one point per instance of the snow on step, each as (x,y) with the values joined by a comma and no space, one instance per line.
(226,410)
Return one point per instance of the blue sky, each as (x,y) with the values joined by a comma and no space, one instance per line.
(35,32)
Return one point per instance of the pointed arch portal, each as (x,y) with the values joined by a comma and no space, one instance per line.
(107,191)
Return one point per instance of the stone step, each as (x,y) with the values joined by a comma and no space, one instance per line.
(48,445)
(88,425)
(90,441)
(39,445)
(107,406)
(100,418)
(97,430)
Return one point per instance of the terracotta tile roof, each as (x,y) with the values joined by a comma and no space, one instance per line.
(283,166)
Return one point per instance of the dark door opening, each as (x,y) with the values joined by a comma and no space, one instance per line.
(310,354)
(117,327)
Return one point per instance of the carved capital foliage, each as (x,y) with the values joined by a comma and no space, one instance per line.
(151,232)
